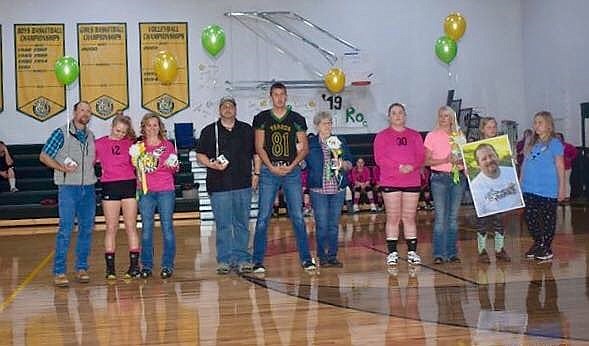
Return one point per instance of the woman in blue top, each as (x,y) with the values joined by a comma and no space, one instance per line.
(328,162)
(543,185)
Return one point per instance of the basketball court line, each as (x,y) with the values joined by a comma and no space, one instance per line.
(8,300)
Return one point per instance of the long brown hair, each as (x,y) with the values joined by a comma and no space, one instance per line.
(146,117)
(126,120)
(534,139)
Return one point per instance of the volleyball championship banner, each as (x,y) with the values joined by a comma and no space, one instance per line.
(37,47)
(104,81)
(164,99)
(1,75)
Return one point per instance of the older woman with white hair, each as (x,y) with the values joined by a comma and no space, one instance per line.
(327,162)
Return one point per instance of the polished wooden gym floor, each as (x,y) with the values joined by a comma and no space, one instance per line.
(363,303)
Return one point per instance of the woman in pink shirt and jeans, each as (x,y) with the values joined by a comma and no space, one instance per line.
(160,195)
(119,187)
(399,153)
(447,195)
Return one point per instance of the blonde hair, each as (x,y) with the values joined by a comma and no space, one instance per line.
(453,126)
(146,117)
(534,139)
(126,120)
(484,122)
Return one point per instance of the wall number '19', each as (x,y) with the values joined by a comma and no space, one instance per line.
(280,147)
(335,102)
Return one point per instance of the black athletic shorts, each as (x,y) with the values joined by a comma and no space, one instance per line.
(118,190)
(402,189)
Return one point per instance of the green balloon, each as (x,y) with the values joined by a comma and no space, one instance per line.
(213,39)
(446,49)
(66,70)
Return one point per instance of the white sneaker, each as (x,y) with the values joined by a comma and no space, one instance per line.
(355,208)
(413,257)
(373,208)
(393,258)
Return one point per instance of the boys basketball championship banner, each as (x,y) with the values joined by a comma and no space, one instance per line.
(37,47)
(165,99)
(102,51)
(1,76)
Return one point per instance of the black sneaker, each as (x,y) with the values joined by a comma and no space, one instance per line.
(335,263)
(438,260)
(455,259)
(166,273)
(259,268)
(133,273)
(309,266)
(531,253)
(110,266)
(145,273)
(544,255)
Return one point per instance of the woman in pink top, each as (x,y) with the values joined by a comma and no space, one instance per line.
(118,192)
(447,195)
(399,153)
(360,179)
(160,194)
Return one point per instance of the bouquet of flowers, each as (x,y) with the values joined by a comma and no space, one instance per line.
(143,162)
(335,147)
(457,140)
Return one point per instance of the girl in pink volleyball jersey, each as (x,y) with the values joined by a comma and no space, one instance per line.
(119,186)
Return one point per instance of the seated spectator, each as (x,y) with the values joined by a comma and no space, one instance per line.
(570,154)
(360,180)
(425,199)
(307,211)
(7,167)
(376,187)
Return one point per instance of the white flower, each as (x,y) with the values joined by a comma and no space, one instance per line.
(172,160)
(333,143)
(134,150)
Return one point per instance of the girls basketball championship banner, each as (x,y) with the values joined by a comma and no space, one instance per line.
(492,176)
(102,51)
(37,47)
(165,93)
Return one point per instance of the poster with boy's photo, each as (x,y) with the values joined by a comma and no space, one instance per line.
(492,176)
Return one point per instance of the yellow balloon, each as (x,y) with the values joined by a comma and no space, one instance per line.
(455,25)
(335,80)
(165,66)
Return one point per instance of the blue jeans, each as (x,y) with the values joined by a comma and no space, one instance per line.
(164,202)
(269,185)
(447,199)
(75,202)
(327,210)
(232,210)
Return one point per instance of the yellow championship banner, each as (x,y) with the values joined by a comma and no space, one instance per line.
(37,47)
(1,75)
(165,99)
(102,51)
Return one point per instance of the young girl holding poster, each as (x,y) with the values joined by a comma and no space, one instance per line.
(488,128)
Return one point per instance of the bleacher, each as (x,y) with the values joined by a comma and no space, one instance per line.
(38,194)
